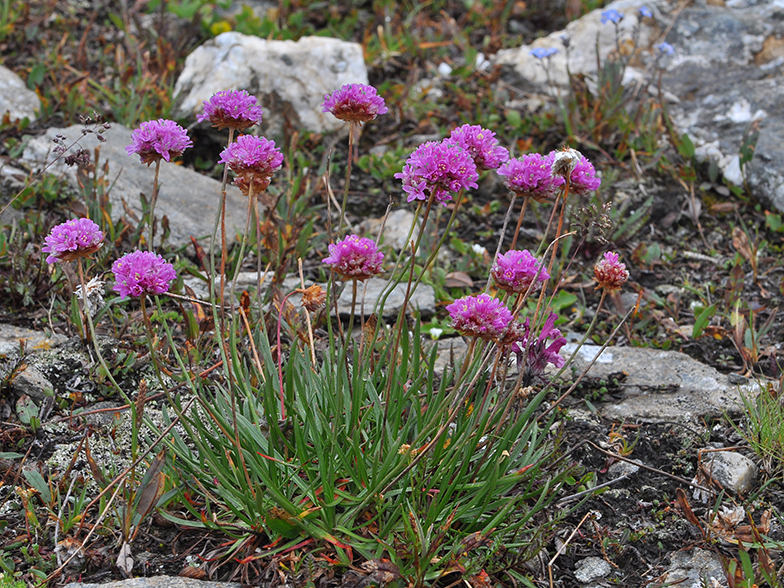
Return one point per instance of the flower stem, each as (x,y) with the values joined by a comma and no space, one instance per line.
(519,223)
(153,200)
(348,176)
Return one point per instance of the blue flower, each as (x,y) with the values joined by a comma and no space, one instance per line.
(612,16)
(646,12)
(543,52)
(664,48)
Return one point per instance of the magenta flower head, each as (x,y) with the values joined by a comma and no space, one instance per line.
(231,109)
(610,273)
(78,237)
(158,139)
(253,160)
(355,258)
(531,176)
(570,163)
(142,272)
(354,103)
(481,144)
(437,169)
(515,271)
(480,316)
(539,352)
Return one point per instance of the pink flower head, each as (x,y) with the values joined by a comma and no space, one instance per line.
(515,271)
(355,258)
(539,352)
(354,103)
(610,273)
(438,169)
(570,163)
(231,109)
(480,316)
(158,139)
(481,144)
(142,272)
(531,176)
(253,160)
(78,237)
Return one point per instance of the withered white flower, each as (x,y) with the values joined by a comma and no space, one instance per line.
(94,301)
(565,161)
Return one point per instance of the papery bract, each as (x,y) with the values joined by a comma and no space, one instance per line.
(570,163)
(515,271)
(233,109)
(253,160)
(355,257)
(158,139)
(610,272)
(480,316)
(354,103)
(142,272)
(78,237)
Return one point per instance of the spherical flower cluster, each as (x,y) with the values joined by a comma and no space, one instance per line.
(531,176)
(610,273)
(437,169)
(612,16)
(355,258)
(72,239)
(481,144)
(664,48)
(539,353)
(570,163)
(158,139)
(515,271)
(543,52)
(142,272)
(480,316)
(253,160)
(354,103)
(231,109)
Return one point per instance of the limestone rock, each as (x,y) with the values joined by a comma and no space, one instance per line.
(661,385)
(395,229)
(286,76)
(735,472)
(32,382)
(15,98)
(694,568)
(423,300)
(590,569)
(723,79)
(190,200)
(11,337)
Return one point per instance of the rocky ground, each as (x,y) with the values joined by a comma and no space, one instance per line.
(698,197)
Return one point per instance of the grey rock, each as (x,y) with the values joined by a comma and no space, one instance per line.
(369,292)
(661,385)
(101,414)
(157,582)
(723,79)
(29,380)
(287,77)
(622,468)
(15,98)
(451,352)
(11,338)
(395,230)
(190,200)
(590,569)
(694,568)
(735,472)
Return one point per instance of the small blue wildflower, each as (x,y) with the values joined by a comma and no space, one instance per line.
(664,48)
(612,16)
(646,12)
(566,40)
(543,52)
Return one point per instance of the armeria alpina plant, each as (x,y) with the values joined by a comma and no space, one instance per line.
(153,141)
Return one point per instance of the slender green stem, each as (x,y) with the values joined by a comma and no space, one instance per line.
(153,200)
(503,233)
(348,176)
(151,339)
